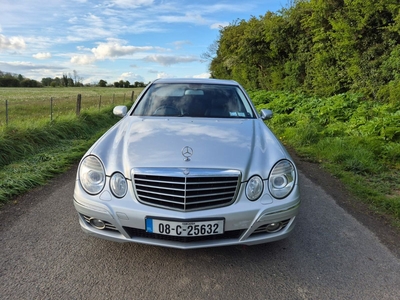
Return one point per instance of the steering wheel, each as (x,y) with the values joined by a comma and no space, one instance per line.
(165,110)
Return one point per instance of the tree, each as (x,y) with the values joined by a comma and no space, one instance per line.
(47,81)
(102,83)
(321,47)
(65,80)
(75,77)
(29,83)
(70,82)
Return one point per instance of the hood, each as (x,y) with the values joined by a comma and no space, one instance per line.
(246,145)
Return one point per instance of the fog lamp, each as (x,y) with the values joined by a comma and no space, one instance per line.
(274,227)
(96,223)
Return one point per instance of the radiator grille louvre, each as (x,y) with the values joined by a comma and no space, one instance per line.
(200,189)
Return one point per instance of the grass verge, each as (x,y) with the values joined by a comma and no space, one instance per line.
(30,156)
(356,140)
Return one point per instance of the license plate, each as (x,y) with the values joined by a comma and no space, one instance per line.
(187,228)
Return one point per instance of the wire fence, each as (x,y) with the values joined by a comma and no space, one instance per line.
(22,111)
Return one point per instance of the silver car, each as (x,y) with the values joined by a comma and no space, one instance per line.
(190,165)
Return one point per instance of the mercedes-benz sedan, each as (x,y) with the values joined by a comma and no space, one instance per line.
(191,164)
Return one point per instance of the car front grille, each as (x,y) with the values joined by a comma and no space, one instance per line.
(186,189)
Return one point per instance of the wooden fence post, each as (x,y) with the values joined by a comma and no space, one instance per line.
(51,109)
(132,95)
(78,104)
(6,112)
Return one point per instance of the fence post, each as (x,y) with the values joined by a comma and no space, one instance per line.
(51,109)
(132,95)
(78,104)
(113,98)
(6,112)
(99,102)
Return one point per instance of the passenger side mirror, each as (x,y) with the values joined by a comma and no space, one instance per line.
(266,114)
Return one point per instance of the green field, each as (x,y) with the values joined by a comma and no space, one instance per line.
(27,105)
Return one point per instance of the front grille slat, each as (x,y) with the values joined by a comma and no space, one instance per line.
(172,189)
(210,188)
(153,192)
(161,199)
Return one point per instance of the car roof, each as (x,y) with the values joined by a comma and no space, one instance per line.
(196,80)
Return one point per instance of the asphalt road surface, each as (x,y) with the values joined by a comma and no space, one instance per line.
(330,255)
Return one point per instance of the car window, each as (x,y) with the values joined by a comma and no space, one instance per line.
(194,100)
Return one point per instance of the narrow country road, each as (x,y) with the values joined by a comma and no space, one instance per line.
(331,255)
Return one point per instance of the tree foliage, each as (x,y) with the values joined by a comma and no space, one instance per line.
(320,47)
(16,80)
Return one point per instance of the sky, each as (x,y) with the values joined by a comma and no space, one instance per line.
(113,40)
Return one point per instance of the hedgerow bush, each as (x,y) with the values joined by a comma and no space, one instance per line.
(355,138)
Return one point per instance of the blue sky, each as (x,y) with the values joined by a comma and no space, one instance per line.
(134,40)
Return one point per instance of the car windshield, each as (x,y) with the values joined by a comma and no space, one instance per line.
(194,100)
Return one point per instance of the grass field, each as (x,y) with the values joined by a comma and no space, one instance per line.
(20,106)
(40,140)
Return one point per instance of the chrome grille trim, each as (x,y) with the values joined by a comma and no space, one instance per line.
(170,188)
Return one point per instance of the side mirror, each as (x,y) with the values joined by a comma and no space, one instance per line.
(120,111)
(266,114)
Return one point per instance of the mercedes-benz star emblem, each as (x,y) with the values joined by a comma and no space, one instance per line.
(187,153)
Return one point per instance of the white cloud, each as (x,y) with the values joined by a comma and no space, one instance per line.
(42,55)
(114,48)
(23,67)
(82,59)
(203,75)
(132,3)
(131,77)
(73,20)
(187,18)
(125,75)
(16,64)
(180,44)
(164,75)
(170,60)
(12,43)
(219,25)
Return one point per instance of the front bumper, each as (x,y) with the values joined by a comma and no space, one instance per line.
(245,221)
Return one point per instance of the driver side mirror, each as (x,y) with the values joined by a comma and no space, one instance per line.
(120,111)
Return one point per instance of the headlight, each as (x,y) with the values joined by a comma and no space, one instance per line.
(92,175)
(282,179)
(118,185)
(254,188)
